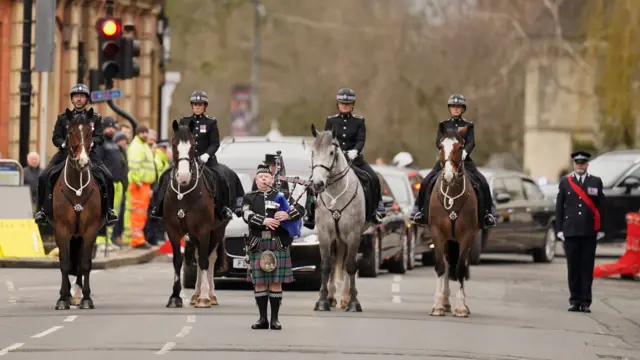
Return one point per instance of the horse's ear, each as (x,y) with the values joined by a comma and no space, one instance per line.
(192,126)
(463,132)
(333,131)
(69,114)
(314,131)
(90,114)
(175,126)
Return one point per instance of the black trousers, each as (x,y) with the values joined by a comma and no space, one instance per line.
(580,252)
(375,191)
(485,202)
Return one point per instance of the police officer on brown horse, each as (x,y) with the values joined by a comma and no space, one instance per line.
(80,96)
(457,106)
(207,142)
(351,133)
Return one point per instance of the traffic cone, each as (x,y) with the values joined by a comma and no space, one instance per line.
(166,247)
(629,264)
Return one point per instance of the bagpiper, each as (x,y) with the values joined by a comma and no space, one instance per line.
(272,226)
(579,212)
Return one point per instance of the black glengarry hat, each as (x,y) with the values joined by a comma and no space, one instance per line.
(270,159)
(263,169)
(581,156)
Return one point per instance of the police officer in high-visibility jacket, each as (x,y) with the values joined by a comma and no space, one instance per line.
(579,213)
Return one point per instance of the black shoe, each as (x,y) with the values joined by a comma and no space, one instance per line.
(261,324)
(489,221)
(112,218)
(155,213)
(41,218)
(574,308)
(309,223)
(585,309)
(417,216)
(275,298)
(226,214)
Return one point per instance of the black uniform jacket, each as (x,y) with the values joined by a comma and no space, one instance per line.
(350,131)
(111,156)
(573,215)
(206,134)
(256,206)
(61,129)
(457,124)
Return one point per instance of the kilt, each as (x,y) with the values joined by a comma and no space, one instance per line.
(282,273)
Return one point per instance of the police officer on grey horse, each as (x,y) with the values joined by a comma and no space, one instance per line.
(80,96)
(457,104)
(207,141)
(579,213)
(351,133)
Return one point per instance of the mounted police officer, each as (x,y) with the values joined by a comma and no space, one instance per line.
(80,96)
(207,141)
(579,213)
(351,133)
(457,105)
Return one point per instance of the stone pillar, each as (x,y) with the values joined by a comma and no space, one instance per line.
(171,81)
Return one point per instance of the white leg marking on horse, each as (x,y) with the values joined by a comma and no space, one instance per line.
(47,332)
(204,285)
(442,283)
(166,348)
(77,291)
(12,347)
(211,272)
(70,318)
(184,332)
(184,148)
(447,145)
(198,279)
(191,318)
(446,291)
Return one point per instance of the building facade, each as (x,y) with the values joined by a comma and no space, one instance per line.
(75,30)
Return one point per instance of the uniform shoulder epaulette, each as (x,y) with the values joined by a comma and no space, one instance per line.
(211,118)
(358,117)
(332,116)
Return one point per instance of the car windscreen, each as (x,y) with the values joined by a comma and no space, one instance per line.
(610,167)
(399,188)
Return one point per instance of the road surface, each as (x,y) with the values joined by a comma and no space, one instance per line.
(518,311)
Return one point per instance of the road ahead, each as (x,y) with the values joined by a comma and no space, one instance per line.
(518,311)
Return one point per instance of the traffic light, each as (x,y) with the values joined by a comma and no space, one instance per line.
(110,52)
(130,52)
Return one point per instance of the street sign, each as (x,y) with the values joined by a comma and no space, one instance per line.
(105,95)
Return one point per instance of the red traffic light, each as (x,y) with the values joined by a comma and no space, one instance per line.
(110,28)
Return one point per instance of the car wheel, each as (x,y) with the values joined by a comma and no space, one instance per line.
(476,249)
(411,263)
(370,266)
(547,252)
(400,265)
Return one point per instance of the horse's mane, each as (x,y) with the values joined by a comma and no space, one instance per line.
(183,133)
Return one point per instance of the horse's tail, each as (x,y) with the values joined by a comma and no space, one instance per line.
(75,254)
(452,250)
(341,253)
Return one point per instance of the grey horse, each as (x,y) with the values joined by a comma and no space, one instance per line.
(340,220)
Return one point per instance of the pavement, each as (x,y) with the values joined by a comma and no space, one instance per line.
(113,259)
(518,311)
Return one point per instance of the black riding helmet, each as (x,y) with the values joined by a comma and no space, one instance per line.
(346,96)
(199,97)
(80,89)
(458,99)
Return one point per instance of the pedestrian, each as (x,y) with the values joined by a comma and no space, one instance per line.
(32,173)
(579,210)
(271,223)
(122,141)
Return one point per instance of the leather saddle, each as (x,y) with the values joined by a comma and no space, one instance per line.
(366,181)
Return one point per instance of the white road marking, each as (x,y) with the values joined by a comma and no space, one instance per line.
(184,332)
(47,332)
(6,350)
(166,348)
(10,286)
(70,318)
(395,288)
(396,299)
(397,278)
(191,318)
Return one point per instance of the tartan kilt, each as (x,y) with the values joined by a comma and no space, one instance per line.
(282,273)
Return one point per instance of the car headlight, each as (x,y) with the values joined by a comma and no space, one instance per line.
(309,240)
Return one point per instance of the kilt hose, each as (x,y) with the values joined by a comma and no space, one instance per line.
(282,273)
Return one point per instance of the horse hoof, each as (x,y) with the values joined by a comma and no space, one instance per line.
(194,300)
(447,308)
(203,303)
(332,302)
(343,304)
(322,306)
(76,301)
(437,312)
(86,304)
(214,300)
(174,302)
(63,305)
(462,312)
(354,307)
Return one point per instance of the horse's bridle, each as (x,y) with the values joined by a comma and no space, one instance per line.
(75,162)
(332,178)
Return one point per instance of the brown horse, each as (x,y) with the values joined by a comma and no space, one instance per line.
(453,223)
(76,213)
(189,209)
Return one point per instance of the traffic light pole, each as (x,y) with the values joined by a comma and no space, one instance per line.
(117,109)
(25,83)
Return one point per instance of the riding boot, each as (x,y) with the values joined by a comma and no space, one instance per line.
(380,212)
(310,211)
(275,297)
(41,216)
(112,217)
(262,299)
(157,199)
(489,219)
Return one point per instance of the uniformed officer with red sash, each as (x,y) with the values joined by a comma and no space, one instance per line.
(579,213)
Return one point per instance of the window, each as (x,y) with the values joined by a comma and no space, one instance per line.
(386,190)
(498,187)
(635,173)
(609,167)
(513,186)
(398,186)
(531,190)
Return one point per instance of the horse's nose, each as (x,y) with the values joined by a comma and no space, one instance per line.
(318,185)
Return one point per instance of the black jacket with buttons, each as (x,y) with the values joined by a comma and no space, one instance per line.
(457,123)
(61,129)
(350,131)
(573,216)
(206,135)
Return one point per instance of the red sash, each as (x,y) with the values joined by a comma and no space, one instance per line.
(587,200)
